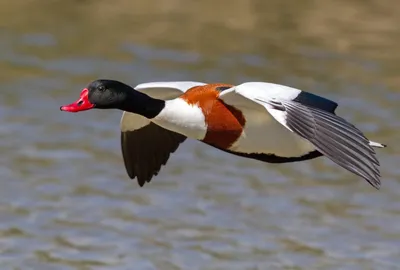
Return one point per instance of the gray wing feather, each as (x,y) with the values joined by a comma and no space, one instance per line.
(146,149)
(336,138)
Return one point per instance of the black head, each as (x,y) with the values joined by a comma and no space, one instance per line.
(110,94)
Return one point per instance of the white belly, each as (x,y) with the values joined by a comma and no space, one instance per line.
(263,134)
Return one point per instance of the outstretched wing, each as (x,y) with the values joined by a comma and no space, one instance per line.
(249,92)
(145,150)
(146,146)
(334,137)
(330,134)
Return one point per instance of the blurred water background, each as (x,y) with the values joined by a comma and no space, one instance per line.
(66,201)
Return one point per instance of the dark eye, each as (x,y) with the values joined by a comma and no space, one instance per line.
(101,88)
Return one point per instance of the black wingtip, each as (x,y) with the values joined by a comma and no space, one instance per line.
(141,183)
(377,186)
(375,183)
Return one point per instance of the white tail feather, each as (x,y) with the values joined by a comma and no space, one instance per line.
(375,144)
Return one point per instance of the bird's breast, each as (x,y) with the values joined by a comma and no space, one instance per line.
(224,123)
(200,114)
(183,118)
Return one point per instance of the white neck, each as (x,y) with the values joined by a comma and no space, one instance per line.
(180,117)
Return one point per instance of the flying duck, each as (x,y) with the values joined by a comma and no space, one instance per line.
(263,121)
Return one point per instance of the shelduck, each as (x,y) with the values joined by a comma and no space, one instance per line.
(263,121)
